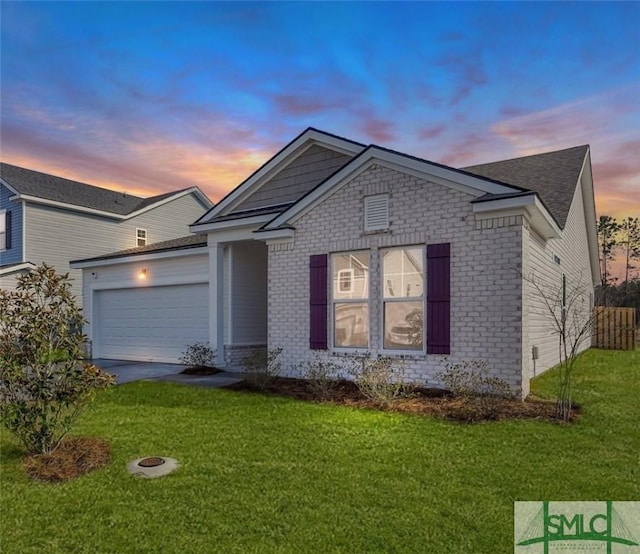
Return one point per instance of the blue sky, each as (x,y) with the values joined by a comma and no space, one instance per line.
(149,97)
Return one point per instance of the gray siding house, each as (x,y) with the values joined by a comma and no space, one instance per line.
(335,248)
(44,218)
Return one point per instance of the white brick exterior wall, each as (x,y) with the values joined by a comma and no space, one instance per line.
(486,282)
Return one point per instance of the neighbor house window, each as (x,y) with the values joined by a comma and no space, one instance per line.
(403,298)
(141,237)
(350,299)
(4,229)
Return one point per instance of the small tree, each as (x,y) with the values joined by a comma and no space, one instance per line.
(44,385)
(630,242)
(570,315)
(608,229)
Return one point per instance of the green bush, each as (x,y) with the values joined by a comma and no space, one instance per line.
(44,385)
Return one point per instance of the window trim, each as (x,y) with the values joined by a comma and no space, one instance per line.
(333,301)
(402,351)
(3,243)
(146,237)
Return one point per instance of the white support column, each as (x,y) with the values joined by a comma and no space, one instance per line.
(216,301)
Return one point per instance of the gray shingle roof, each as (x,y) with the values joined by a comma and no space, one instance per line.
(553,175)
(58,189)
(182,243)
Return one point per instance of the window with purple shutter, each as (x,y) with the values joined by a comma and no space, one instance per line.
(438,298)
(7,240)
(318,302)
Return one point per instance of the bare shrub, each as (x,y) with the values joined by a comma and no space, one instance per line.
(198,354)
(322,377)
(379,379)
(262,366)
(483,394)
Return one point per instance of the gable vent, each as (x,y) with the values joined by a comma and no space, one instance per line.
(376,212)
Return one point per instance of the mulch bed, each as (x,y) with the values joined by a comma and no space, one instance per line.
(74,457)
(422,401)
(201,370)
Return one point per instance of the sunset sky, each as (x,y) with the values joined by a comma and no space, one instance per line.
(149,97)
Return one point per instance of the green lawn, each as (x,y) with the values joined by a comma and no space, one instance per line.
(264,474)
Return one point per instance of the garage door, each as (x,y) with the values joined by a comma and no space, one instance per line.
(150,324)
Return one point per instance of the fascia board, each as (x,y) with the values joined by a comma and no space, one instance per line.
(239,223)
(128,258)
(274,234)
(586,187)
(69,207)
(232,235)
(16,268)
(420,168)
(17,194)
(540,218)
(102,213)
(289,153)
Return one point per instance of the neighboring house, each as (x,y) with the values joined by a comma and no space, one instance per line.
(334,248)
(49,219)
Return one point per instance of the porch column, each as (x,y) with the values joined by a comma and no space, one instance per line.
(216,301)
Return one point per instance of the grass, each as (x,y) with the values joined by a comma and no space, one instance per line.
(265,474)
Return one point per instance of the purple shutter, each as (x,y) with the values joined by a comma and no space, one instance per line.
(7,222)
(318,302)
(438,298)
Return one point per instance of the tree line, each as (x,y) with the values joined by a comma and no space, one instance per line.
(615,239)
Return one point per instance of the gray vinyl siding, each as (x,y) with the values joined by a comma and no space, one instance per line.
(308,170)
(14,254)
(539,266)
(57,236)
(248,295)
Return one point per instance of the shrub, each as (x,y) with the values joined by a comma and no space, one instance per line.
(378,379)
(262,366)
(44,385)
(483,394)
(322,377)
(198,354)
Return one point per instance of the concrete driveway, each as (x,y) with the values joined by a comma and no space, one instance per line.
(127,371)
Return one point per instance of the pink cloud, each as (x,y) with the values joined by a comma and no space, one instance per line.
(428,133)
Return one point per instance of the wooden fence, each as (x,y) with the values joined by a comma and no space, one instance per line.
(614,328)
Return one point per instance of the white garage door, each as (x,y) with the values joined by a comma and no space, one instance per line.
(150,324)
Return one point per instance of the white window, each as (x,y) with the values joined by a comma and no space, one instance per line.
(141,237)
(345,280)
(403,298)
(376,212)
(3,229)
(350,299)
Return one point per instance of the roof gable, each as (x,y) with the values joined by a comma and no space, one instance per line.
(424,169)
(552,175)
(287,176)
(61,192)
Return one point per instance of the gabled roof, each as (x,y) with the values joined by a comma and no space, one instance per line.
(182,243)
(425,169)
(552,175)
(58,191)
(241,198)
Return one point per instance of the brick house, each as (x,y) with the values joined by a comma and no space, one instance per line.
(334,248)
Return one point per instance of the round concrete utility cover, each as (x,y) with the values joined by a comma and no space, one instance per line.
(152,466)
